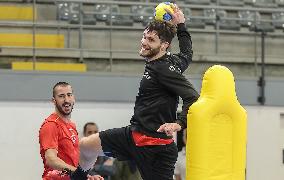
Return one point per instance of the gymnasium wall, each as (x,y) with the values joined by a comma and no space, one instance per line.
(109,87)
(21,120)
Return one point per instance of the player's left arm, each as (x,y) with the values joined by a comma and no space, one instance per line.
(184,38)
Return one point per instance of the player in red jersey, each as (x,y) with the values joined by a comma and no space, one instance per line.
(58,138)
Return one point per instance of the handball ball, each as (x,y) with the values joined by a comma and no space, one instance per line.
(161,14)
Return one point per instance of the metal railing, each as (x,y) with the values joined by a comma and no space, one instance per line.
(58,25)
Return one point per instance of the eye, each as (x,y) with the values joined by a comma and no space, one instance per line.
(151,40)
(61,95)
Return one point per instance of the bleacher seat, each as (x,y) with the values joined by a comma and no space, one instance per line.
(220,15)
(210,15)
(231,3)
(192,21)
(155,1)
(249,2)
(89,19)
(278,20)
(143,14)
(48,66)
(226,23)
(12,12)
(252,20)
(248,18)
(120,20)
(280,3)
(137,11)
(71,12)
(102,11)
(26,40)
(68,11)
(201,2)
(262,27)
(265,3)
(113,17)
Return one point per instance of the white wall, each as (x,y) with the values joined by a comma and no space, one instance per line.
(265,143)
(20,122)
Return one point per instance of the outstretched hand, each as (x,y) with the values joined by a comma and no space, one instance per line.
(169,128)
(177,15)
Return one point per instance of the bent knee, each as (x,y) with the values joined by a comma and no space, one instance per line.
(92,142)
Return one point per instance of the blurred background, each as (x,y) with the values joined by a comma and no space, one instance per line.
(94,46)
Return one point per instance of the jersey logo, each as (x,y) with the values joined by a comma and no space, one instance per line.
(73,136)
(172,68)
(146,75)
(179,70)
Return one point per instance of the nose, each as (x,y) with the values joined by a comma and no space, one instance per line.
(67,99)
(143,41)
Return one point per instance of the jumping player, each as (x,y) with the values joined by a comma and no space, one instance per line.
(148,139)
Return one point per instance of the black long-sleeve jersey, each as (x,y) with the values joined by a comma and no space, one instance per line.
(160,88)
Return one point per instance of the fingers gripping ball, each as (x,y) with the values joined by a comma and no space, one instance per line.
(161,14)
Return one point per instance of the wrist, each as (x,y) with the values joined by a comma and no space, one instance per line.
(79,174)
(67,171)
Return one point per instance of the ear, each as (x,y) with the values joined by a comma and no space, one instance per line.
(165,46)
(53,100)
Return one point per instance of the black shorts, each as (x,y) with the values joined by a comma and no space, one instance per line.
(155,162)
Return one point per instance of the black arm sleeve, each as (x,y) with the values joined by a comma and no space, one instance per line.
(185,46)
(79,174)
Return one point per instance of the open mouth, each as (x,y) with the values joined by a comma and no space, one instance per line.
(66,106)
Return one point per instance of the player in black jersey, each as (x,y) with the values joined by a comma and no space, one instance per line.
(148,139)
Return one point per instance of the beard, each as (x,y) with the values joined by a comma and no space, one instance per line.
(61,109)
(149,53)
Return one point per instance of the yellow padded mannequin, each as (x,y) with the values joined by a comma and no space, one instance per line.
(216,133)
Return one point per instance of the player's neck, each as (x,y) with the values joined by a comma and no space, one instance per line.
(159,55)
(65,118)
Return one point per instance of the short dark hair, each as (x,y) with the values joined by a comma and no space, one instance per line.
(88,123)
(165,30)
(59,84)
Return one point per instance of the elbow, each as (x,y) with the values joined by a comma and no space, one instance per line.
(195,98)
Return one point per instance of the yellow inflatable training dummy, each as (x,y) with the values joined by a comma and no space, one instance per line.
(216,141)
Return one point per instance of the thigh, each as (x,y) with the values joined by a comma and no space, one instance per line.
(158,162)
(116,142)
(164,164)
